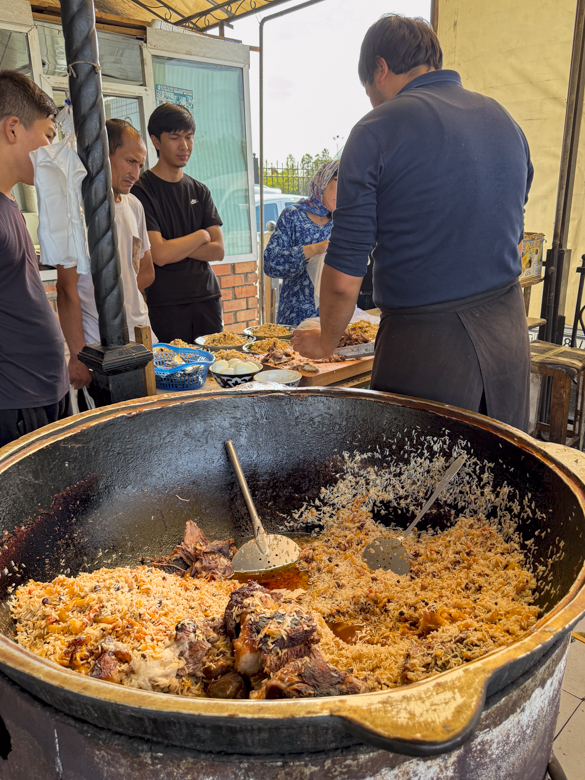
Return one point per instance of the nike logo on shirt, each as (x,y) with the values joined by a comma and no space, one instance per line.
(194,201)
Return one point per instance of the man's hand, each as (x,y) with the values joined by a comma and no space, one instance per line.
(308,342)
(79,375)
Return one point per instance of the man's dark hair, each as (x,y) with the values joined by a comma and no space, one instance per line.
(21,97)
(170,118)
(116,129)
(404,43)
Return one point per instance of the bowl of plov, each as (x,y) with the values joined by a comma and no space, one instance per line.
(231,373)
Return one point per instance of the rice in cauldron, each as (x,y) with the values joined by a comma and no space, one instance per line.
(470,590)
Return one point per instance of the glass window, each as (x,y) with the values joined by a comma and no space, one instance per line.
(215,96)
(270,214)
(14,52)
(119,55)
(127,108)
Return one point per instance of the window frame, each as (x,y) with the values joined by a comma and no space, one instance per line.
(146,93)
(150,104)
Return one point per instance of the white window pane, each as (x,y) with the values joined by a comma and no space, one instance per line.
(127,108)
(14,52)
(119,55)
(215,95)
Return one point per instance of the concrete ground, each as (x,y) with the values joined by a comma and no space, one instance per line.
(569,744)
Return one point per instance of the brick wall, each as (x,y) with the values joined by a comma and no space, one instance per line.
(239,294)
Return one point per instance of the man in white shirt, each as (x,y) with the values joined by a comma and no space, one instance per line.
(75,294)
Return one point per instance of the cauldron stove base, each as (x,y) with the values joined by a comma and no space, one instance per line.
(512,742)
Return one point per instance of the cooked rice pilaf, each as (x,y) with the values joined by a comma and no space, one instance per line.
(469,591)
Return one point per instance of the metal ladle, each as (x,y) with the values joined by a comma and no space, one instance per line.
(389,554)
(265,552)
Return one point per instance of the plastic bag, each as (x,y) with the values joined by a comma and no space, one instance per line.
(58,176)
(89,402)
(315,270)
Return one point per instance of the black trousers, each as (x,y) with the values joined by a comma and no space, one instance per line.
(473,354)
(14,423)
(187,321)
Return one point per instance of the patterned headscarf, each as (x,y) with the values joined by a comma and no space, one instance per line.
(314,203)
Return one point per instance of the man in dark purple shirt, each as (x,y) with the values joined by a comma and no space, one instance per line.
(435,179)
(33,373)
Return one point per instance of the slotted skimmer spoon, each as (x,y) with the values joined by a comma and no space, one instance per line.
(389,554)
(265,552)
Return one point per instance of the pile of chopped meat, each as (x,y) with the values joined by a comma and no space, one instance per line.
(288,358)
(275,646)
(197,556)
(351,339)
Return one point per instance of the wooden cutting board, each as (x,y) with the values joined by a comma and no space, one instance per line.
(332,373)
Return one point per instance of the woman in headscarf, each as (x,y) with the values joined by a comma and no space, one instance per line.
(302,231)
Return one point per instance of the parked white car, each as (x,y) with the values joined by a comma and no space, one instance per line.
(275,201)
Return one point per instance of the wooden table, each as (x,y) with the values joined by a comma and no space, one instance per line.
(351,373)
(564,366)
(527,285)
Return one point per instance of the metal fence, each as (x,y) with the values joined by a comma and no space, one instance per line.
(291,179)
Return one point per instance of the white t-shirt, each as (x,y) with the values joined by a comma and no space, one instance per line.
(132,243)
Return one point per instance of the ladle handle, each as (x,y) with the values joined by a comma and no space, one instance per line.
(259,532)
(447,477)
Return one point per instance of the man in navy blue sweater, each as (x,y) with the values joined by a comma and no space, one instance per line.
(435,179)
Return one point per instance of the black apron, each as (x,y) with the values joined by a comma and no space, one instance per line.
(472,353)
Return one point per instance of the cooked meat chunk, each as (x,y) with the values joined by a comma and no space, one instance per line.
(248,598)
(194,536)
(228,686)
(194,647)
(197,556)
(351,339)
(216,666)
(311,676)
(267,631)
(247,656)
(107,664)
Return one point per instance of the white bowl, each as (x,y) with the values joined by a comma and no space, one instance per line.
(280,376)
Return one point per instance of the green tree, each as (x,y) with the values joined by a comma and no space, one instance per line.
(294,177)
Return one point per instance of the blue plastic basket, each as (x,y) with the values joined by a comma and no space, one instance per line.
(176,378)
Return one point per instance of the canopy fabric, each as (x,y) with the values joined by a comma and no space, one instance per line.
(201,14)
(519,53)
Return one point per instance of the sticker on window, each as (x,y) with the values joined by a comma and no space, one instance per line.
(182,97)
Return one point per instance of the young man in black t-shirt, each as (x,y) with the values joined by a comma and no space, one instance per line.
(185,233)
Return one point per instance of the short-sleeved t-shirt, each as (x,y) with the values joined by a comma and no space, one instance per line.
(132,244)
(33,371)
(176,209)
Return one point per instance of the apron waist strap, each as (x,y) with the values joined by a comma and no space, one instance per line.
(458,305)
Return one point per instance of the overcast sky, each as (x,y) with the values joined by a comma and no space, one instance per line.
(311,88)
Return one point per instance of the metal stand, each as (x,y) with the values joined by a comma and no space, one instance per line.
(557,261)
(116,364)
(579,308)
(261,279)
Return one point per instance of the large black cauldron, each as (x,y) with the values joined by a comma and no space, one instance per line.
(109,486)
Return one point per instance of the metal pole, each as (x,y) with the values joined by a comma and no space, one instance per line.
(78,19)
(578,305)
(435,15)
(557,261)
(114,357)
(261,285)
